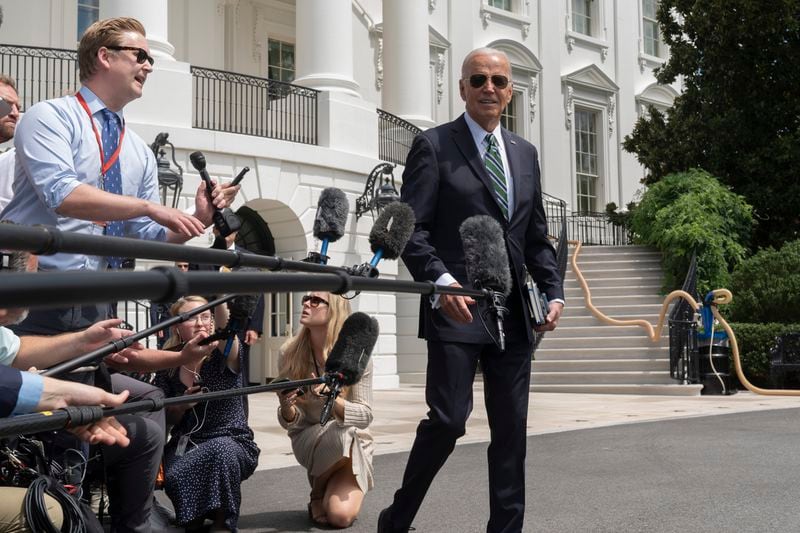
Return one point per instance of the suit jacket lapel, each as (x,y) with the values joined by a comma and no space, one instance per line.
(466,145)
(514,166)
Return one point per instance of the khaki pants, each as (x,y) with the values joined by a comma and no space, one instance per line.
(12,512)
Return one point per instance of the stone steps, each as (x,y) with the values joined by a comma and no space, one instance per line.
(585,355)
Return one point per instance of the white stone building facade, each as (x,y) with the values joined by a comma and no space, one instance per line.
(582,73)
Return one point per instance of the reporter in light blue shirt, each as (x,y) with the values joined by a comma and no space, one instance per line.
(57,151)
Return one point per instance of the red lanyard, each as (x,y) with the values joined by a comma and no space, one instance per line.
(104,166)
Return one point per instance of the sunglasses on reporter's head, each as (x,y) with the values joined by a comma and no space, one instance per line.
(313,301)
(477,81)
(141,53)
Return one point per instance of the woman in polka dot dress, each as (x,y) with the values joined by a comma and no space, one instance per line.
(211,449)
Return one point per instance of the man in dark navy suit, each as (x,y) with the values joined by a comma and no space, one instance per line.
(473,166)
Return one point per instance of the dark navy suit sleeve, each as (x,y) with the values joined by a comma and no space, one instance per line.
(257,320)
(539,254)
(10,384)
(420,190)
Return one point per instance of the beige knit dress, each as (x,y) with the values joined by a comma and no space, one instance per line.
(318,448)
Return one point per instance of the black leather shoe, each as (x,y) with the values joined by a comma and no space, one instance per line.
(385,523)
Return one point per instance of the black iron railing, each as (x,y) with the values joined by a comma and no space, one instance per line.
(236,103)
(683,355)
(597,229)
(40,73)
(395,136)
(135,316)
(556,212)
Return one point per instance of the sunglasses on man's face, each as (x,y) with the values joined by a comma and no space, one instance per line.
(479,80)
(313,301)
(141,53)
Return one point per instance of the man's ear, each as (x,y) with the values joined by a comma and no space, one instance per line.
(461,90)
(103,59)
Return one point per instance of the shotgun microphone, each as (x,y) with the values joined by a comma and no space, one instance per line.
(388,236)
(225,220)
(349,357)
(486,259)
(329,222)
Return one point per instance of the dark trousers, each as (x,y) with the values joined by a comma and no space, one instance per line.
(130,472)
(448,392)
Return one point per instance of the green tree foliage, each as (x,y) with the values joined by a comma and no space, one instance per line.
(739,114)
(766,287)
(692,212)
(755,342)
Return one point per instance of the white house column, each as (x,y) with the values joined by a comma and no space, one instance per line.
(406,61)
(152,14)
(324,53)
(167,97)
(324,30)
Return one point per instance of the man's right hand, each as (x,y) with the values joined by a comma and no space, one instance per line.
(182,225)
(456,307)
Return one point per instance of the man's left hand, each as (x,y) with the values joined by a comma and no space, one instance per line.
(552,317)
(250,336)
(101,333)
(221,197)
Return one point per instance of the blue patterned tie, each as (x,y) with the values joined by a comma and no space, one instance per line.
(494,165)
(112,181)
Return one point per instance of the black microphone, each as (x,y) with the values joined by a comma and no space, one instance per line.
(349,357)
(388,236)
(241,310)
(486,259)
(329,222)
(225,220)
(216,336)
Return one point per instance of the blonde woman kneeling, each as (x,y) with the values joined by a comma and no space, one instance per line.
(337,456)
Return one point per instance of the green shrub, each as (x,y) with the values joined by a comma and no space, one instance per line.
(692,212)
(755,342)
(766,287)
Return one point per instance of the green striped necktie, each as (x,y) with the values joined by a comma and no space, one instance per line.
(494,165)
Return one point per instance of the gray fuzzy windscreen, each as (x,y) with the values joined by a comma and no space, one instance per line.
(331,217)
(352,350)
(244,305)
(392,229)
(485,253)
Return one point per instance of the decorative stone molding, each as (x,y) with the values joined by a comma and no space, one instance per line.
(612,108)
(440,64)
(534,85)
(259,32)
(604,54)
(570,44)
(526,28)
(431,5)
(486,17)
(379,63)
(570,106)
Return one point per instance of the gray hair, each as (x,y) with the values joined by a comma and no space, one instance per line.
(487,51)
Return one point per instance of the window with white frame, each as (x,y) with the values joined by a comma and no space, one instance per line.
(501,4)
(651,36)
(280,305)
(582,11)
(586,159)
(509,119)
(88,13)
(280,61)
